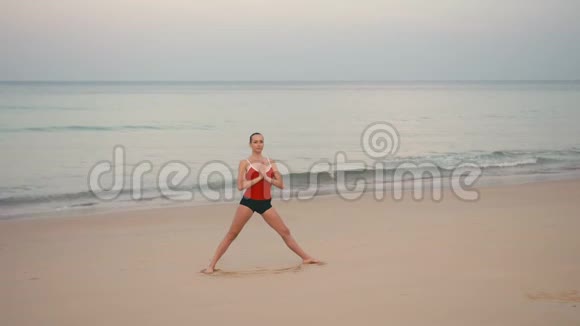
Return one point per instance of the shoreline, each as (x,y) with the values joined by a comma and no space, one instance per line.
(485,182)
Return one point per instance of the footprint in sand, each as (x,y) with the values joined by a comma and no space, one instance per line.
(564,296)
(260,271)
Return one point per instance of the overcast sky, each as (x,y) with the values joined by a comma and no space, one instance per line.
(289,39)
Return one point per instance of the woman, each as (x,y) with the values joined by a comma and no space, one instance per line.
(257,175)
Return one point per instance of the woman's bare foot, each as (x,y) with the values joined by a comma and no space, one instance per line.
(207,270)
(310,261)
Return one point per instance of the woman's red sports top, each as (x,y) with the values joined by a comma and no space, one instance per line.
(261,190)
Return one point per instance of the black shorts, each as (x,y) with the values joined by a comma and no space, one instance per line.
(256,205)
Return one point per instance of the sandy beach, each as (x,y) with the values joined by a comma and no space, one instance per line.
(511,258)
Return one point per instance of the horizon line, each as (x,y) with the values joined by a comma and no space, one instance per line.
(288,81)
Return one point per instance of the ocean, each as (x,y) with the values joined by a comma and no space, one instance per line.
(53,135)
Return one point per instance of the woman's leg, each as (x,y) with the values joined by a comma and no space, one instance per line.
(273,219)
(241,217)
